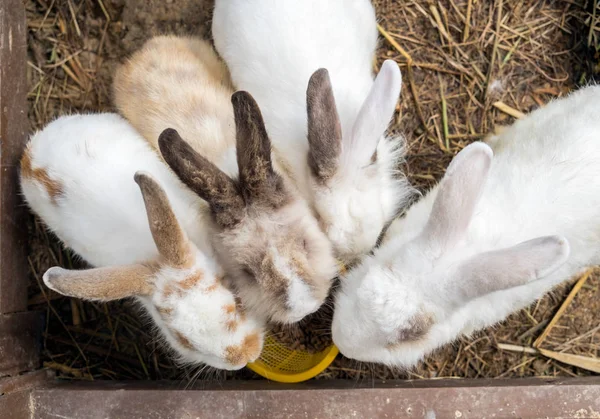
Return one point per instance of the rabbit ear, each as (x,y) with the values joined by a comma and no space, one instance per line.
(374,115)
(203,177)
(510,267)
(170,239)
(324,129)
(458,194)
(258,181)
(101,284)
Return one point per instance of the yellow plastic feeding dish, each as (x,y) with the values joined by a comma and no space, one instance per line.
(284,365)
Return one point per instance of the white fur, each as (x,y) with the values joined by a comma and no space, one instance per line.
(100,214)
(544,183)
(271,48)
(95,158)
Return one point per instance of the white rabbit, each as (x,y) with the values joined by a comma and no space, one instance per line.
(348,168)
(263,231)
(77,174)
(490,239)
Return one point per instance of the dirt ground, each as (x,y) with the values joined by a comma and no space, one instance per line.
(467,66)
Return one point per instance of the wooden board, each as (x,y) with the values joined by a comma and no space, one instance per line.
(20,341)
(13,131)
(325,399)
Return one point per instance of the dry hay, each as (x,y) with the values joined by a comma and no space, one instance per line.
(458,57)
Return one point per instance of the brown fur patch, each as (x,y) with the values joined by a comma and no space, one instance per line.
(272,280)
(229,309)
(164,311)
(192,280)
(231,325)
(305,273)
(183,341)
(53,187)
(212,288)
(204,178)
(249,349)
(26,165)
(168,290)
(239,306)
(324,128)
(419,327)
(171,289)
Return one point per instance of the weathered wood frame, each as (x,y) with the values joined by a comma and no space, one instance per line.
(26,391)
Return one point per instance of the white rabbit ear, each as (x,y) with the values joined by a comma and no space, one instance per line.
(169,237)
(101,284)
(374,116)
(458,194)
(511,267)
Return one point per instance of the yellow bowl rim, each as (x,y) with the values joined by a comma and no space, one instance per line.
(282,377)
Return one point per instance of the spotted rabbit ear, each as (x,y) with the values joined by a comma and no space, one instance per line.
(169,237)
(101,284)
(507,268)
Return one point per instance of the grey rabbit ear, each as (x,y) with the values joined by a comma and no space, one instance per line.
(458,195)
(324,128)
(510,267)
(259,183)
(170,239)
(204,178)
(101,284)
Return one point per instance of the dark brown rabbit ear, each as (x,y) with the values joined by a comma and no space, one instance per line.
(324,129)
(169,237)
(258,181)
(203,177)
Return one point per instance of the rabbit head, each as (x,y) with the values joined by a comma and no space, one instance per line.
(200,319)
(354,180)
(265,234)
(395,299)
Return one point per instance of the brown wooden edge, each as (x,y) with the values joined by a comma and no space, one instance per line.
(523,398)
(13,132)
(19,330)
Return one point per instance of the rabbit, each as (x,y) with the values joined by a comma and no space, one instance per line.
(492,237)
(331,134)
(77,174)
(264,233)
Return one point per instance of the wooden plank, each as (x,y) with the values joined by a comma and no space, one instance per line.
(16,405)
(20,341)
(324,399)
(13,130)
(25,381)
